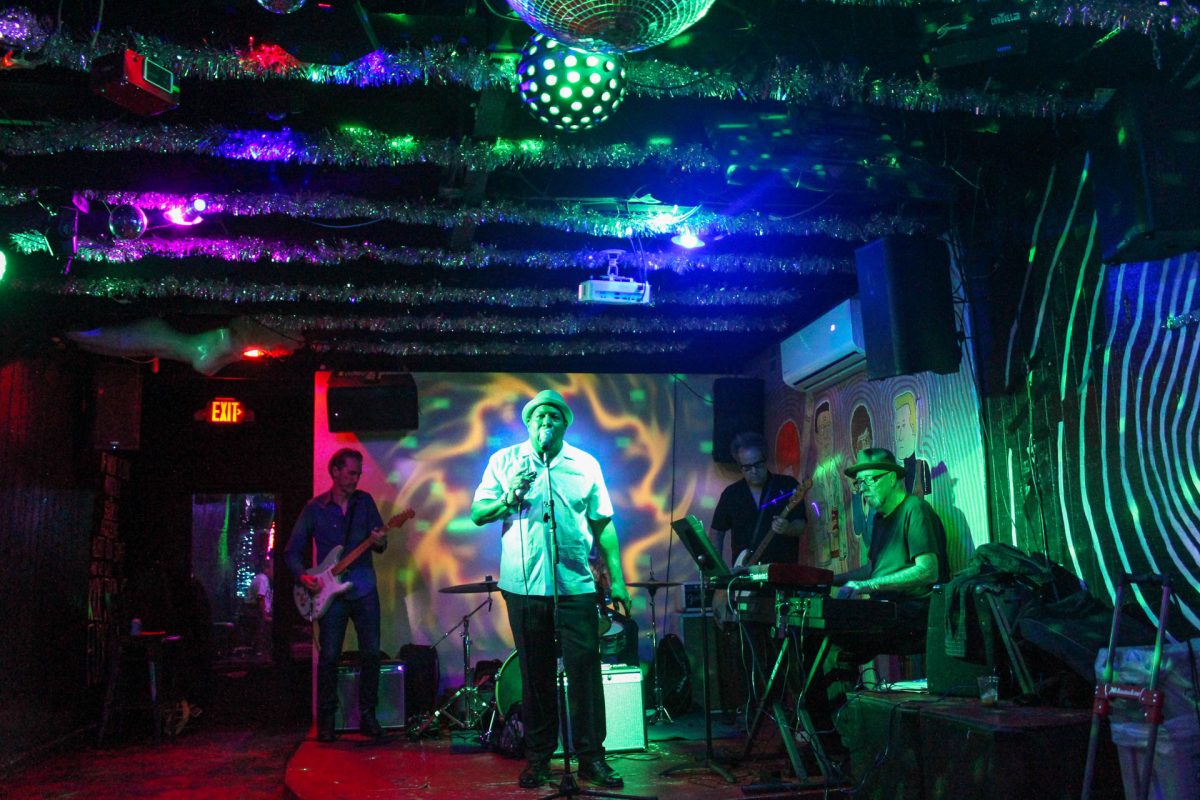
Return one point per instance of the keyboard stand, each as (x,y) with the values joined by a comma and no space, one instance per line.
(771,698)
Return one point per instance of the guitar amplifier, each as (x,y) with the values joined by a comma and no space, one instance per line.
(624,709)
(389,712)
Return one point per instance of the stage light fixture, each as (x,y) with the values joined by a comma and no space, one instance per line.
(567,88)
(3,265)
(687,239)
(187,214)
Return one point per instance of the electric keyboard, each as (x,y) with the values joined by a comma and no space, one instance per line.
(808,611)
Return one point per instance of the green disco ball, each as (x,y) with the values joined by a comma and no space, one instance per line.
(569,89)
(611,26)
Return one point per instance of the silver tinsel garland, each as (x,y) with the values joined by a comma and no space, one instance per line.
(407,295)
(357,148)
(613,219)
(339,251)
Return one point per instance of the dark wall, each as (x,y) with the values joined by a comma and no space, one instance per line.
(79,527)
(1089,395)
(181,456)
(48,487)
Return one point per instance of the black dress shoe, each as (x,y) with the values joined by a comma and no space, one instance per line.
(534,775)
(599,773)
(369,726)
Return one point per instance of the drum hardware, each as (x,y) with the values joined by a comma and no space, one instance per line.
(473,712)
(658,712)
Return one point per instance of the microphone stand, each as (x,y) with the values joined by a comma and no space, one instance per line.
(569,786)
(709,761)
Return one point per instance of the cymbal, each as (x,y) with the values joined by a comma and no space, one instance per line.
(471,588)
(651,584)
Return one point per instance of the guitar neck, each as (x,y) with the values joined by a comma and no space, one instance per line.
(350,557)
(360,548)
(797,496)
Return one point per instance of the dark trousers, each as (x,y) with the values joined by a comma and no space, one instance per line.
(532,621)
(364,611)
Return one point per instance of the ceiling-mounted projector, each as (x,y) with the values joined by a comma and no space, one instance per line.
(615,289)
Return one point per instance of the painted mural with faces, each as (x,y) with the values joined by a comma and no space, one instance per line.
(827,505)
(862,436)
(917,476)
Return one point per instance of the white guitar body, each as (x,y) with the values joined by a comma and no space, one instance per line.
(312,606)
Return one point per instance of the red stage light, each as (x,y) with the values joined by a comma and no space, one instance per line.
(131,80)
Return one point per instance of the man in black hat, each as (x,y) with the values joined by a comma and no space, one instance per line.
(906,558)
(908,543)
(551,499)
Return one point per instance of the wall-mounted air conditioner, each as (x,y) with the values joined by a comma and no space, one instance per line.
(827,350)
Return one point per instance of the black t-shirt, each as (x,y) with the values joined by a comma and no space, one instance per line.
(738,511)
(898,538)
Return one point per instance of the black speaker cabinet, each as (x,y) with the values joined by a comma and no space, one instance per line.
(727,687)
(949,675)
(1146,152)
(389,712)
(907,307)
(737,408)
(117,422)
(367,401)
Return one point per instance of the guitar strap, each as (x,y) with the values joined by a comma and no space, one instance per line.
(350,506)
(759,534)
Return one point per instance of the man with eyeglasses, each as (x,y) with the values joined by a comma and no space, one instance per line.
(908,543)
(753,509)
(906,558)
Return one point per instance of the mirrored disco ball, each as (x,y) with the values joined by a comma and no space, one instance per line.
(568,88)
(281,6)
(127,222)
(611,26)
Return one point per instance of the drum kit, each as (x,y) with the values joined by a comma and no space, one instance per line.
(470,701)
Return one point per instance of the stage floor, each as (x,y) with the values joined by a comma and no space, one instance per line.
(457,766)
(900,745)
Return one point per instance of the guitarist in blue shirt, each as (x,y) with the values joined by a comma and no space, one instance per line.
(343,516)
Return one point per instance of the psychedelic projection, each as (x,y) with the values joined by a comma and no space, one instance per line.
(651,433)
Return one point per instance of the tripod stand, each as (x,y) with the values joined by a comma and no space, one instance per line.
(709,762)
(658,712)
(472,715)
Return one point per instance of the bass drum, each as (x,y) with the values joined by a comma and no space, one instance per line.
(508,678)
(508,685)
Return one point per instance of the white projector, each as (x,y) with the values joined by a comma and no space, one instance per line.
(615,290)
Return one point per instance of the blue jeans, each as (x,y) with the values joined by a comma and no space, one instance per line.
(364,611)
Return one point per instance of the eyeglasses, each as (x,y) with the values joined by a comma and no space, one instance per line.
(756,465)
(868,481)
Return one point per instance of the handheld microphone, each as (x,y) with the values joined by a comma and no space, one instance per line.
(544,438)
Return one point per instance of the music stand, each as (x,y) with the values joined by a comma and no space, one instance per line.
(713,570)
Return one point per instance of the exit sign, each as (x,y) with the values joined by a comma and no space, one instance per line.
(225,411)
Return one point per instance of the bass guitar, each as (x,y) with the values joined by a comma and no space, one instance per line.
(312,605)
(746,557)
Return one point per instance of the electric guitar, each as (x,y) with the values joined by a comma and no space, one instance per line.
(746,558)
(313,605)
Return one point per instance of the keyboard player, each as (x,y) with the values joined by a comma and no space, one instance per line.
(907,555)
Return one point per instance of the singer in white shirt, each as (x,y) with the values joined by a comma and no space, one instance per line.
(545,491)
